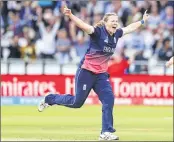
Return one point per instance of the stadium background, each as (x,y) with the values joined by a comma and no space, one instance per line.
(40,51)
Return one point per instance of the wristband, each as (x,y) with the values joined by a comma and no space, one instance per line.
(142,22)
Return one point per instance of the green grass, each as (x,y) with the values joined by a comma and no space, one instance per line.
(133,123)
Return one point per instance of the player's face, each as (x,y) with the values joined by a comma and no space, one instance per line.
(112,24)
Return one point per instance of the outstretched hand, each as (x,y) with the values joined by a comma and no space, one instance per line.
(145,16)
(66,11)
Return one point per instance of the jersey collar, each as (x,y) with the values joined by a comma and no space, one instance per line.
(104,27)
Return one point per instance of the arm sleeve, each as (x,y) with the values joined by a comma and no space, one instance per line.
(119,32)
(42,28)
(55,28)
(96,33)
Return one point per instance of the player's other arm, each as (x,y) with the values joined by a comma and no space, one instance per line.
(170,62)
(82,25)
(134,26)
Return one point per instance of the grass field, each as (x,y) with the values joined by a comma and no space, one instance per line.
(133,123)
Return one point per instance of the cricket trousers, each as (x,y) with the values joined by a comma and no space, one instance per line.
(85,81)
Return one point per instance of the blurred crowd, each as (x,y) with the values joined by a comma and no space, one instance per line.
(38,29)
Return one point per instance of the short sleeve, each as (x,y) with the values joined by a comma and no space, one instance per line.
(119,32)
(96,33)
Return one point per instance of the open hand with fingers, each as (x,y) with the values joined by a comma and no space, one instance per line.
(145,16)
(66,11)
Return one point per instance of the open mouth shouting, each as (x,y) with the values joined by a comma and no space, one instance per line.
(114,27)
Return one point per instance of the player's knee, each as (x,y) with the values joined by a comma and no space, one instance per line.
(107,106)
(50,98)
(78,102)
(109,99)
(78,105)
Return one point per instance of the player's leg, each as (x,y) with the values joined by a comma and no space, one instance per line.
(84,81)
(104,91)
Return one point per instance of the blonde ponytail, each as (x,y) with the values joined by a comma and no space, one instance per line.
(105,19)
(100,23)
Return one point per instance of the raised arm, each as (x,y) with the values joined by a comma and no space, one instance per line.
(82,25)
(42,28)
(55,27)
(132,27)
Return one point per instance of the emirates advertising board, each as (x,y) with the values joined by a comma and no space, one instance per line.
(128,89)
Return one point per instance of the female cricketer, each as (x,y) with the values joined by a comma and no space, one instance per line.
(92,71)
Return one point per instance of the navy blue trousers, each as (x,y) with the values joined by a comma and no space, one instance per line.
(85,81)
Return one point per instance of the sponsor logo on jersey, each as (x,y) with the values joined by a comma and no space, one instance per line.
(108,49)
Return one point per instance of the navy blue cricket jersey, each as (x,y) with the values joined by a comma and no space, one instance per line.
(101,47)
